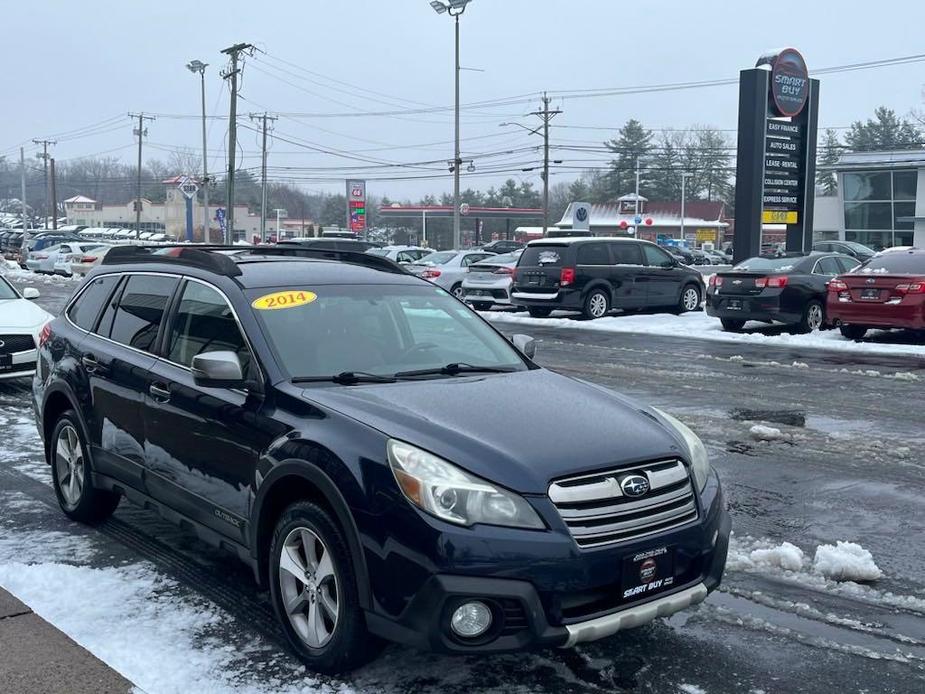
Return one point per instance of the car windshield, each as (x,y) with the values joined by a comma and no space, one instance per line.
(897,263)
(323,331)
(766,265)
(440,258)
(7,291)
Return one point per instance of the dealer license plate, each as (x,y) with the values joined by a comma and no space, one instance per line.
(734,304)
(870,294)
(648,572)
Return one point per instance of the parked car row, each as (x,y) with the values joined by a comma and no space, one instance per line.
(823,290)
(21,323)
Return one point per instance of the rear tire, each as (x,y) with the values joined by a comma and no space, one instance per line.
(313,589)
(853,332)
(457,291)
(70,471)
(690,299)
(732,325)
(813,318)
(597,304)
(539,311)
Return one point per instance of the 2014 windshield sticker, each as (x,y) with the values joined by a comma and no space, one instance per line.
(278,300)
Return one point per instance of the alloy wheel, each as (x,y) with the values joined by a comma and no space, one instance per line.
(814,317)
(308,587)
(458,292)
(69,464)
(598,305)
(691,299)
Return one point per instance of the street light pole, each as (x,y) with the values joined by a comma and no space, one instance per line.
(684,177)
(195,66)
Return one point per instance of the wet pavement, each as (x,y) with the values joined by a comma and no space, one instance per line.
(849,465)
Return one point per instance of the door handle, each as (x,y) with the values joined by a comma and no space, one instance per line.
(159,392)
(90,363)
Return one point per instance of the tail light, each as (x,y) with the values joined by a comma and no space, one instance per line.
(45,335)
(566,276)
(89,259)
(430,273)
(775,282)
(837,286)
(504,271)
(716,281)
(513,274)
(911,288)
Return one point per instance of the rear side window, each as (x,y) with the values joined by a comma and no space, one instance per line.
(141,310)
(542,256)
(204,323)
(847,264)
(593,254)
(626,254)
(656,257)
(828,266)
(86,309)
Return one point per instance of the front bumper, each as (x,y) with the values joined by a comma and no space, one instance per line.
(23,365)
(535,605)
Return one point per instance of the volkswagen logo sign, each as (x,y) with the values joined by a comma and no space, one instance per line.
(581,214)
(634,485)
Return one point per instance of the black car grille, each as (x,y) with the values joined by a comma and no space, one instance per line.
(515,619)
(598,513)
(16,343)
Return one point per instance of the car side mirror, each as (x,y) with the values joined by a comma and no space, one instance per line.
(31,293)
(218,370)
(525,344)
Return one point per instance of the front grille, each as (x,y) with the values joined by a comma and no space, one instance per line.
(515,619)
(597,512)
(16,343)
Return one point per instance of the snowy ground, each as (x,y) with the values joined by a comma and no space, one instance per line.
(821,458)
(699,326)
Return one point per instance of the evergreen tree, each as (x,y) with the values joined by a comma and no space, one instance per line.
(829,152)
(632,144)
(885,131)
(663,171)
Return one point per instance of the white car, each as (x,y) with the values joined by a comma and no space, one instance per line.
(21,324)
(89,259)
(402,254)
(489,281)
(448,269)
(65,255)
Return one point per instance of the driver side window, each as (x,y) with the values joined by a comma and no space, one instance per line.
(656,257)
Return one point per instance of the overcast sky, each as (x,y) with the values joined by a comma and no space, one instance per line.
(70,65)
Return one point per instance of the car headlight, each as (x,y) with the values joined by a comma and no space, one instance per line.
(443,490)
(700,462)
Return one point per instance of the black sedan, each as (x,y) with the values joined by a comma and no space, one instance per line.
(789,290)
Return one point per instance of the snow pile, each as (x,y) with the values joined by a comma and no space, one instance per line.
(691,689)
(760,432)
(845,561)
(700,326)
(785,556)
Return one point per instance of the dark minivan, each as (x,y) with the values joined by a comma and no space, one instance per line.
(595,275)
(334,421)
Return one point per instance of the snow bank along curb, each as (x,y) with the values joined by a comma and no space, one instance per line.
(843,561)
(698,325)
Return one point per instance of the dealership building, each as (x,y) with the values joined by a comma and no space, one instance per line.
(880,201)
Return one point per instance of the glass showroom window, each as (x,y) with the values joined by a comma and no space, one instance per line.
(878,207)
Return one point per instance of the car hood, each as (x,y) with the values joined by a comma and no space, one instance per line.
(519,430)
(21,314)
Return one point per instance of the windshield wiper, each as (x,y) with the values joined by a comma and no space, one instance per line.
(346,378)
(453,370)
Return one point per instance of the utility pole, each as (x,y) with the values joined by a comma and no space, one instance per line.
(44,157)
(278,231)
(25,218)
(546,115)
(263,175)
(197,66)
(54,196)
(141,131)
(457,162)
(232,71)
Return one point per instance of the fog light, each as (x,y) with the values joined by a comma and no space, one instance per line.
(471,619)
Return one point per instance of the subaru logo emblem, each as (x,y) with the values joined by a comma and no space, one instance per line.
(634,485)
(871,280)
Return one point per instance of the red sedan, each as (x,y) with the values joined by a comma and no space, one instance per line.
(886,292)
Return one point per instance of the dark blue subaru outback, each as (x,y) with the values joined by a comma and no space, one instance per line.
(389,464)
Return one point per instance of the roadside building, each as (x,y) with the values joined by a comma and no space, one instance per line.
(880,201)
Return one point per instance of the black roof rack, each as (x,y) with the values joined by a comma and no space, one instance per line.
(196,256)
(375,262)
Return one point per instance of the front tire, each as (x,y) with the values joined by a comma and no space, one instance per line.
(597,304)
(690,299)
(732,325)
(853,332)
(314,591)
(70,467)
